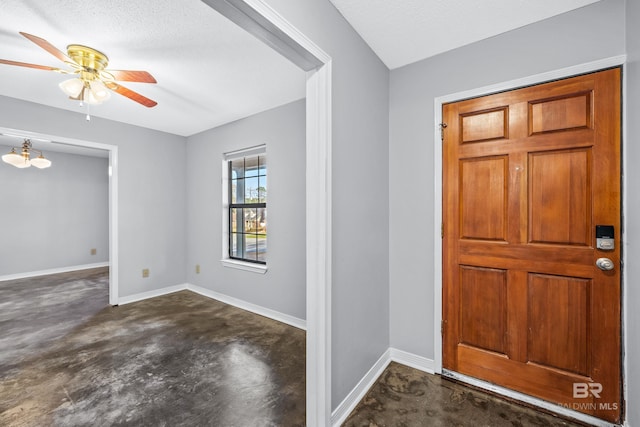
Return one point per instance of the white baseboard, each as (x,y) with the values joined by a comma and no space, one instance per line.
(262,311)
(355,396)
(151,294)
(244,305)
(53,271)
(412,360)
(349,403)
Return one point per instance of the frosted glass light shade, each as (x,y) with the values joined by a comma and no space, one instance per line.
(72,87)
(99,91)
(25,163)
(40,162)
(89,97)
(13,158)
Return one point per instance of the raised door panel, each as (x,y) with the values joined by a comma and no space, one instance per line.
(483,198)
(483,299)
(558,322)
(560,197)
(568,112)
(488,125)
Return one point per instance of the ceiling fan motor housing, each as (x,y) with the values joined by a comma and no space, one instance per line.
(90,59)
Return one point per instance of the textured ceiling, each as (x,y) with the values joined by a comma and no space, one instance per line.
(404,31)
(209,71)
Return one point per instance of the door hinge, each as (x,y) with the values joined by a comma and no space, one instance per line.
(442,327)
(442,230)
(443,126)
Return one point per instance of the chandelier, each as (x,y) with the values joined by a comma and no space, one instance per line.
(23,159)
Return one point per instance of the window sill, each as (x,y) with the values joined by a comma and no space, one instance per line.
(246,266)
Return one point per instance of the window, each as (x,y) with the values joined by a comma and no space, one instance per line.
(247,180)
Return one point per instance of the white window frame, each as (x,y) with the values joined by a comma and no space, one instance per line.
(226,261)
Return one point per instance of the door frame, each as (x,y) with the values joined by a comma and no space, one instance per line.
(266,24)
(113,193)
(562,73)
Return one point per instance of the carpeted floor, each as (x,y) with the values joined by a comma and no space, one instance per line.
(69,359)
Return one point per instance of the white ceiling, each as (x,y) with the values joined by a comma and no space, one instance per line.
(209,71)
(401,32)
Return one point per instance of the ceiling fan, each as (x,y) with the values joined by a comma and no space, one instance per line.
(93,81)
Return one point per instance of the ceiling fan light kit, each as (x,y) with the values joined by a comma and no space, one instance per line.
(24,160)
(88,86)
(90,91)
(93,83)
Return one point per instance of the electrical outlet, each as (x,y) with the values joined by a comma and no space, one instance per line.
(145,272)
(94,251)
(197,268)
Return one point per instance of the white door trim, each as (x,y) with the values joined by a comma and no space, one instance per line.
(259,19)
(113,195)
(437,155)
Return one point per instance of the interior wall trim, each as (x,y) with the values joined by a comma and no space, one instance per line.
(352,399)
(412,360)
(247,306)
(265,23)
(235,302)
(53,271)
(151,294)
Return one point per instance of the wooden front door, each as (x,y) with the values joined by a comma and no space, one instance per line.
(528,174)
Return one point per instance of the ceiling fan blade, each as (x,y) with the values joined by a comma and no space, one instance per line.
(132,76)
(48,47)
(135,96)
(26,64)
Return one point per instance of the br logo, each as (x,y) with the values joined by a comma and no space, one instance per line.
(583,390)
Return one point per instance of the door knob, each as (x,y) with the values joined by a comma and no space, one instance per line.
(604,264)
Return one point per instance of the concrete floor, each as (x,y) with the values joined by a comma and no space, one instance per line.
(68,359)
(407,397)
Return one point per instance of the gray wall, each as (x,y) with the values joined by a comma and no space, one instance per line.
(360,318)
(556,43)
(152,202)
(632,233)
(53,217)
(283,286)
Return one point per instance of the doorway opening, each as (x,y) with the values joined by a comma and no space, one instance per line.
(260,20)
(112,151)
